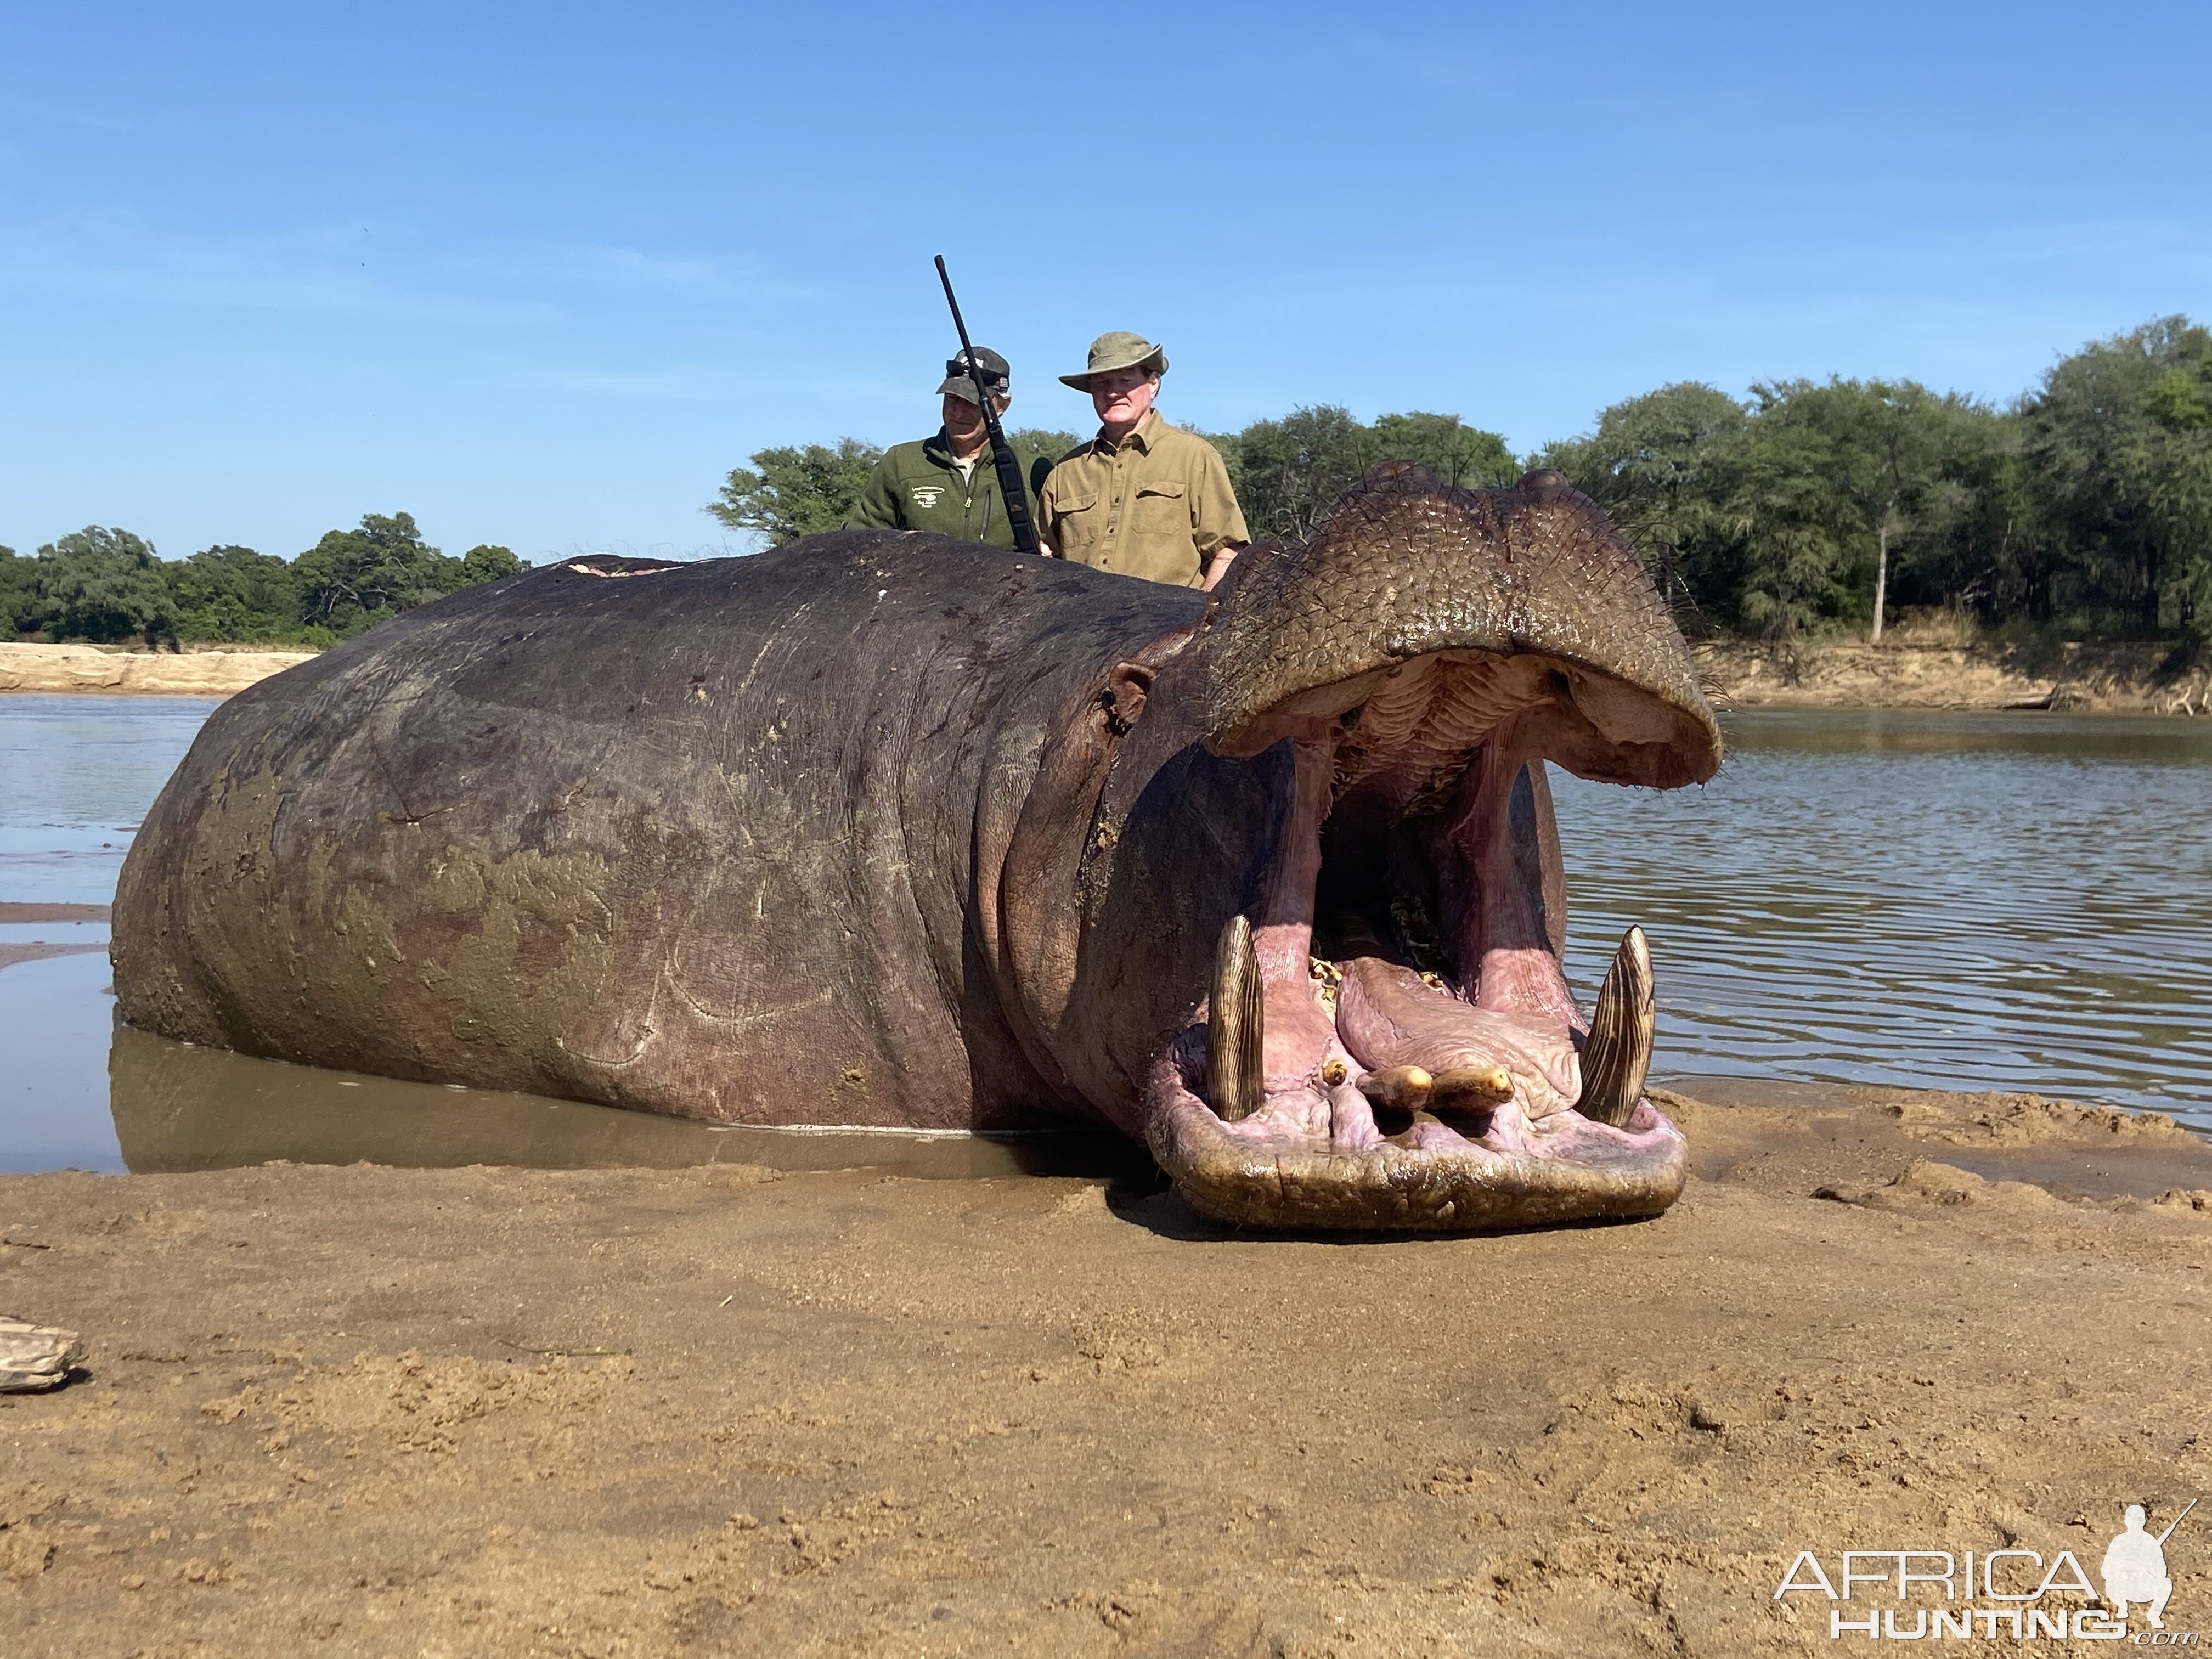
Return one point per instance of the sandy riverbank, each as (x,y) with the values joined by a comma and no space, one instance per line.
(88,668)
(2122,678)
(2114,678)
(365,1411)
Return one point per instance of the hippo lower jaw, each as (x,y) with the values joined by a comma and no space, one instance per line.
(1269,1171)
(1391,1042)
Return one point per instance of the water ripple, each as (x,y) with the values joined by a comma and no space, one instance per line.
(1956,901)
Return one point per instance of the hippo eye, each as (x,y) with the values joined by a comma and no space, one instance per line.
(1559,684)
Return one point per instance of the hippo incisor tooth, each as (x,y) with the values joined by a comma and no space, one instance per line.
(1236,1074)
(1470,1088)
(1401,1087)
(1619,1052)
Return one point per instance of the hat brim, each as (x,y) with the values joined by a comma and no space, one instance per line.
(1155,361)
(959,386)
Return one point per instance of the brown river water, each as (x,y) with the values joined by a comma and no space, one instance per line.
(2020,902)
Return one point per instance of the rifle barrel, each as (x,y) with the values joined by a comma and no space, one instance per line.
(1002,452)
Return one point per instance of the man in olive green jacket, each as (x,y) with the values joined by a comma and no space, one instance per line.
(945,484)
(1143,498)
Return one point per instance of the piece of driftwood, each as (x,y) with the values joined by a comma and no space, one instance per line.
(34,1357)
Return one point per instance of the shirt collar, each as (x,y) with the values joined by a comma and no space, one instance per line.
(939,449)
(1141,439)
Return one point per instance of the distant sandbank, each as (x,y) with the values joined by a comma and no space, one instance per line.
(2118,678)
(2126,678)
(89,670)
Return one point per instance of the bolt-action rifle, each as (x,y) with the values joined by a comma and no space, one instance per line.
(1010,488)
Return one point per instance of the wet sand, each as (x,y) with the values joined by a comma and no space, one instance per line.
(13,951)
(361,1410)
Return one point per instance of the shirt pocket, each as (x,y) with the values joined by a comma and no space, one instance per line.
(1081,501)
(1159,509)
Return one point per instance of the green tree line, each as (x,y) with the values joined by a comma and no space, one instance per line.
(1286,472)
(108,586)
(1809,506)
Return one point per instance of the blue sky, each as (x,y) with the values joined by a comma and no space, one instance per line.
(541,276)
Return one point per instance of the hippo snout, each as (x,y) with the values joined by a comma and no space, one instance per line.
(1388,1040)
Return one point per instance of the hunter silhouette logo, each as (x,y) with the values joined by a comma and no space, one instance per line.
(924,496)
(2134,1566)
(1998,1594)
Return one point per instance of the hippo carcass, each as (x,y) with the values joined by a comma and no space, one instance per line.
(878,829)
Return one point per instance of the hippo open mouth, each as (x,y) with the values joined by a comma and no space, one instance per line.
(1390,1039)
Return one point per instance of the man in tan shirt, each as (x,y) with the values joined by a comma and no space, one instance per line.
(1143,498)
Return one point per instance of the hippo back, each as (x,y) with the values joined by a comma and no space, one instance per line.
(695,838)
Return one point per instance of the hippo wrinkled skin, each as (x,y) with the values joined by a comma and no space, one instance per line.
(882,829)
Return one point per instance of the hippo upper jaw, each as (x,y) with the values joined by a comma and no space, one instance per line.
(1389,1040)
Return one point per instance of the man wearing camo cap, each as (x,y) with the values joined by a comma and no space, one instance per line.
(1143,498)
(945,484)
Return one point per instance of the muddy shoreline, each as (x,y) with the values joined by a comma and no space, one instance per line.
(363,1410)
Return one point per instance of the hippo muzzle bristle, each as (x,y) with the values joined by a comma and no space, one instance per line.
(1236,1068)
(1618,1054)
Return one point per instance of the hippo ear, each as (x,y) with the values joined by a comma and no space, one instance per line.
(1122,701)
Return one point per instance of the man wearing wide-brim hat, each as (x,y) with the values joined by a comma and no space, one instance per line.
(945,484)
(1143,498)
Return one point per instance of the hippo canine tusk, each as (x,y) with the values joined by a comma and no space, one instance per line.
(1618,1055)
(1236,1027)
